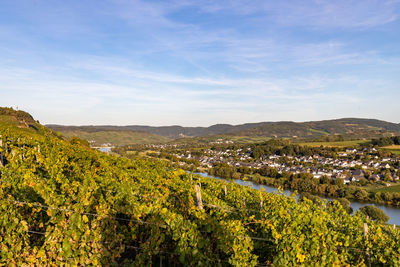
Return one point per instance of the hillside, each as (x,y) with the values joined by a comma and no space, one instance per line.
(172,132)
(22,122)
(351,127)
(64,204)
(102,135)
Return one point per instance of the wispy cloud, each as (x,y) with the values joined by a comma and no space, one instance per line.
(190,62)
(314,13)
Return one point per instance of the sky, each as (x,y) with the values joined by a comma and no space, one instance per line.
(198,63)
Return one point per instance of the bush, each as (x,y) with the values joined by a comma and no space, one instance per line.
(375,213)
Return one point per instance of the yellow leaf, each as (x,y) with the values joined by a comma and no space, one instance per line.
(300,257)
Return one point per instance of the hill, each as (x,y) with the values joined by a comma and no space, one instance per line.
(114,135)
(353,127)
(66,204)
(62,203)
(350,127)
(22,122)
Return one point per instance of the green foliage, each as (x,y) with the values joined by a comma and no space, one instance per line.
(63,204)
(77,141)
(375,213)
(315,199)
(386,141)
(344,202)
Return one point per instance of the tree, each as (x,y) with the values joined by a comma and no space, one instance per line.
(363,181)
(345,204)
(339,182)
(305,195)
(361,194)
(324,180)
(375,213)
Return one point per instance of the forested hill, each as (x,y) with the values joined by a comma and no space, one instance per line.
(172,132)
(349,126)
(119,136)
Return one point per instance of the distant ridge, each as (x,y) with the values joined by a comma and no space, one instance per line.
(99,135)
(345,126)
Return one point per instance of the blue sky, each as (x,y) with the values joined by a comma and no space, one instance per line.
(197,63)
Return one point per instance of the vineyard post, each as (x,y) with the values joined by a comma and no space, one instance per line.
(261,205)
(367,250)
(36,157)
(1,154)
(244,201)
(225,190)
(198,195)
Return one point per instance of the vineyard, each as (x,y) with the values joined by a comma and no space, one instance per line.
(64,204)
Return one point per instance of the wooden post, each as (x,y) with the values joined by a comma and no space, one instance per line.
(365,230)
(244,201)
(261,205)
(1,154)
(226,192)
(367,251)
(198,195)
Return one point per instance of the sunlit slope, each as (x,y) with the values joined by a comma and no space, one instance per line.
(350,128)
(67,204)
(118,138)
(23,123)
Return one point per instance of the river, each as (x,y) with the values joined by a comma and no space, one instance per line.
(393,213)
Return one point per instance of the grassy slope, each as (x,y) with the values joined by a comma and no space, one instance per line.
(394,149)
(393,188)
(34,129)
(116,137)
(218,138)
(335,144)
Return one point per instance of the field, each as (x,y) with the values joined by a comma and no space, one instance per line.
(395,149)
(237,139)
(393,188)
(247,139)
(335,144)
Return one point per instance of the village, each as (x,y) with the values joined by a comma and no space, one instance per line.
(351,165)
